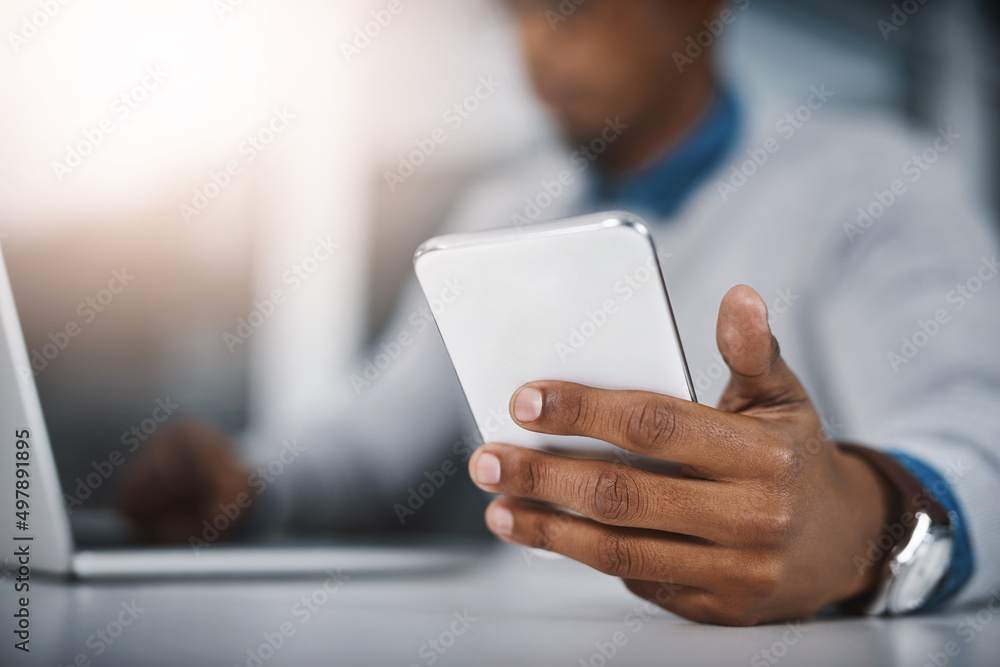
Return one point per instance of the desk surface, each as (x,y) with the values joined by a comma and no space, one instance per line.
(510,609)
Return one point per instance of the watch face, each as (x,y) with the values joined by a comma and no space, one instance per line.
(926,569)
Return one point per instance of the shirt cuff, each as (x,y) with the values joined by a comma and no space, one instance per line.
(962,559)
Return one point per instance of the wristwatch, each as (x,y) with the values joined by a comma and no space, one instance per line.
(918,563)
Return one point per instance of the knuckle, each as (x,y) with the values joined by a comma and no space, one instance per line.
(770,523)
(584,413)
(649,423)
(738,607)
(781,527)
(546,531)
(763,578)
(770,579)
(615,495)
(529,475)
(741,616)
(615,555)
(716,609)
(782,462)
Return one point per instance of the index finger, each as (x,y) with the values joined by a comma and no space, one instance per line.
(711,442)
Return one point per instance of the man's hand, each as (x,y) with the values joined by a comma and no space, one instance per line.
(179,480)
(765,522)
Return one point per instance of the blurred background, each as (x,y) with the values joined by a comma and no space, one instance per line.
(165,165)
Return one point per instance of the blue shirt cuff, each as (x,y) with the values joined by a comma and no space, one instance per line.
(962,559)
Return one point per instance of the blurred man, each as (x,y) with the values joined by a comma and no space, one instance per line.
(851,244)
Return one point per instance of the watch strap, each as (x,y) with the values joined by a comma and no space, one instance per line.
(912,494)
(912,498)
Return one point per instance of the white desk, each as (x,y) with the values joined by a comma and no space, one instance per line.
(546,612)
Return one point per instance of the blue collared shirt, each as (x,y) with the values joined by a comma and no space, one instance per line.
(660,189)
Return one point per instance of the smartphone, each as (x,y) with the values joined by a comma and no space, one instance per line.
(580,300)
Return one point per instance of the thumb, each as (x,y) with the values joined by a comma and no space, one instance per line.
(759,374)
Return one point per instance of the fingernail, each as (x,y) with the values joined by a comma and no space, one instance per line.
(500,520)
(528,405)
(487,469)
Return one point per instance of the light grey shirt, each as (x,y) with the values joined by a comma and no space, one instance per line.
(890,318)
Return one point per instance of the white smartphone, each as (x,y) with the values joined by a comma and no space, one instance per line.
(580,300)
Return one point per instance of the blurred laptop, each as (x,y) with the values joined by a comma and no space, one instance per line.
(36,521)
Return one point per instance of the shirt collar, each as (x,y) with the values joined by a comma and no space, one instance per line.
(660,189)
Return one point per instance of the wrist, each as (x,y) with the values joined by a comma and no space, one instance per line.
(876,510)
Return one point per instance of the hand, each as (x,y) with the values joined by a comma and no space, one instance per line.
(179,480)
(763,524)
